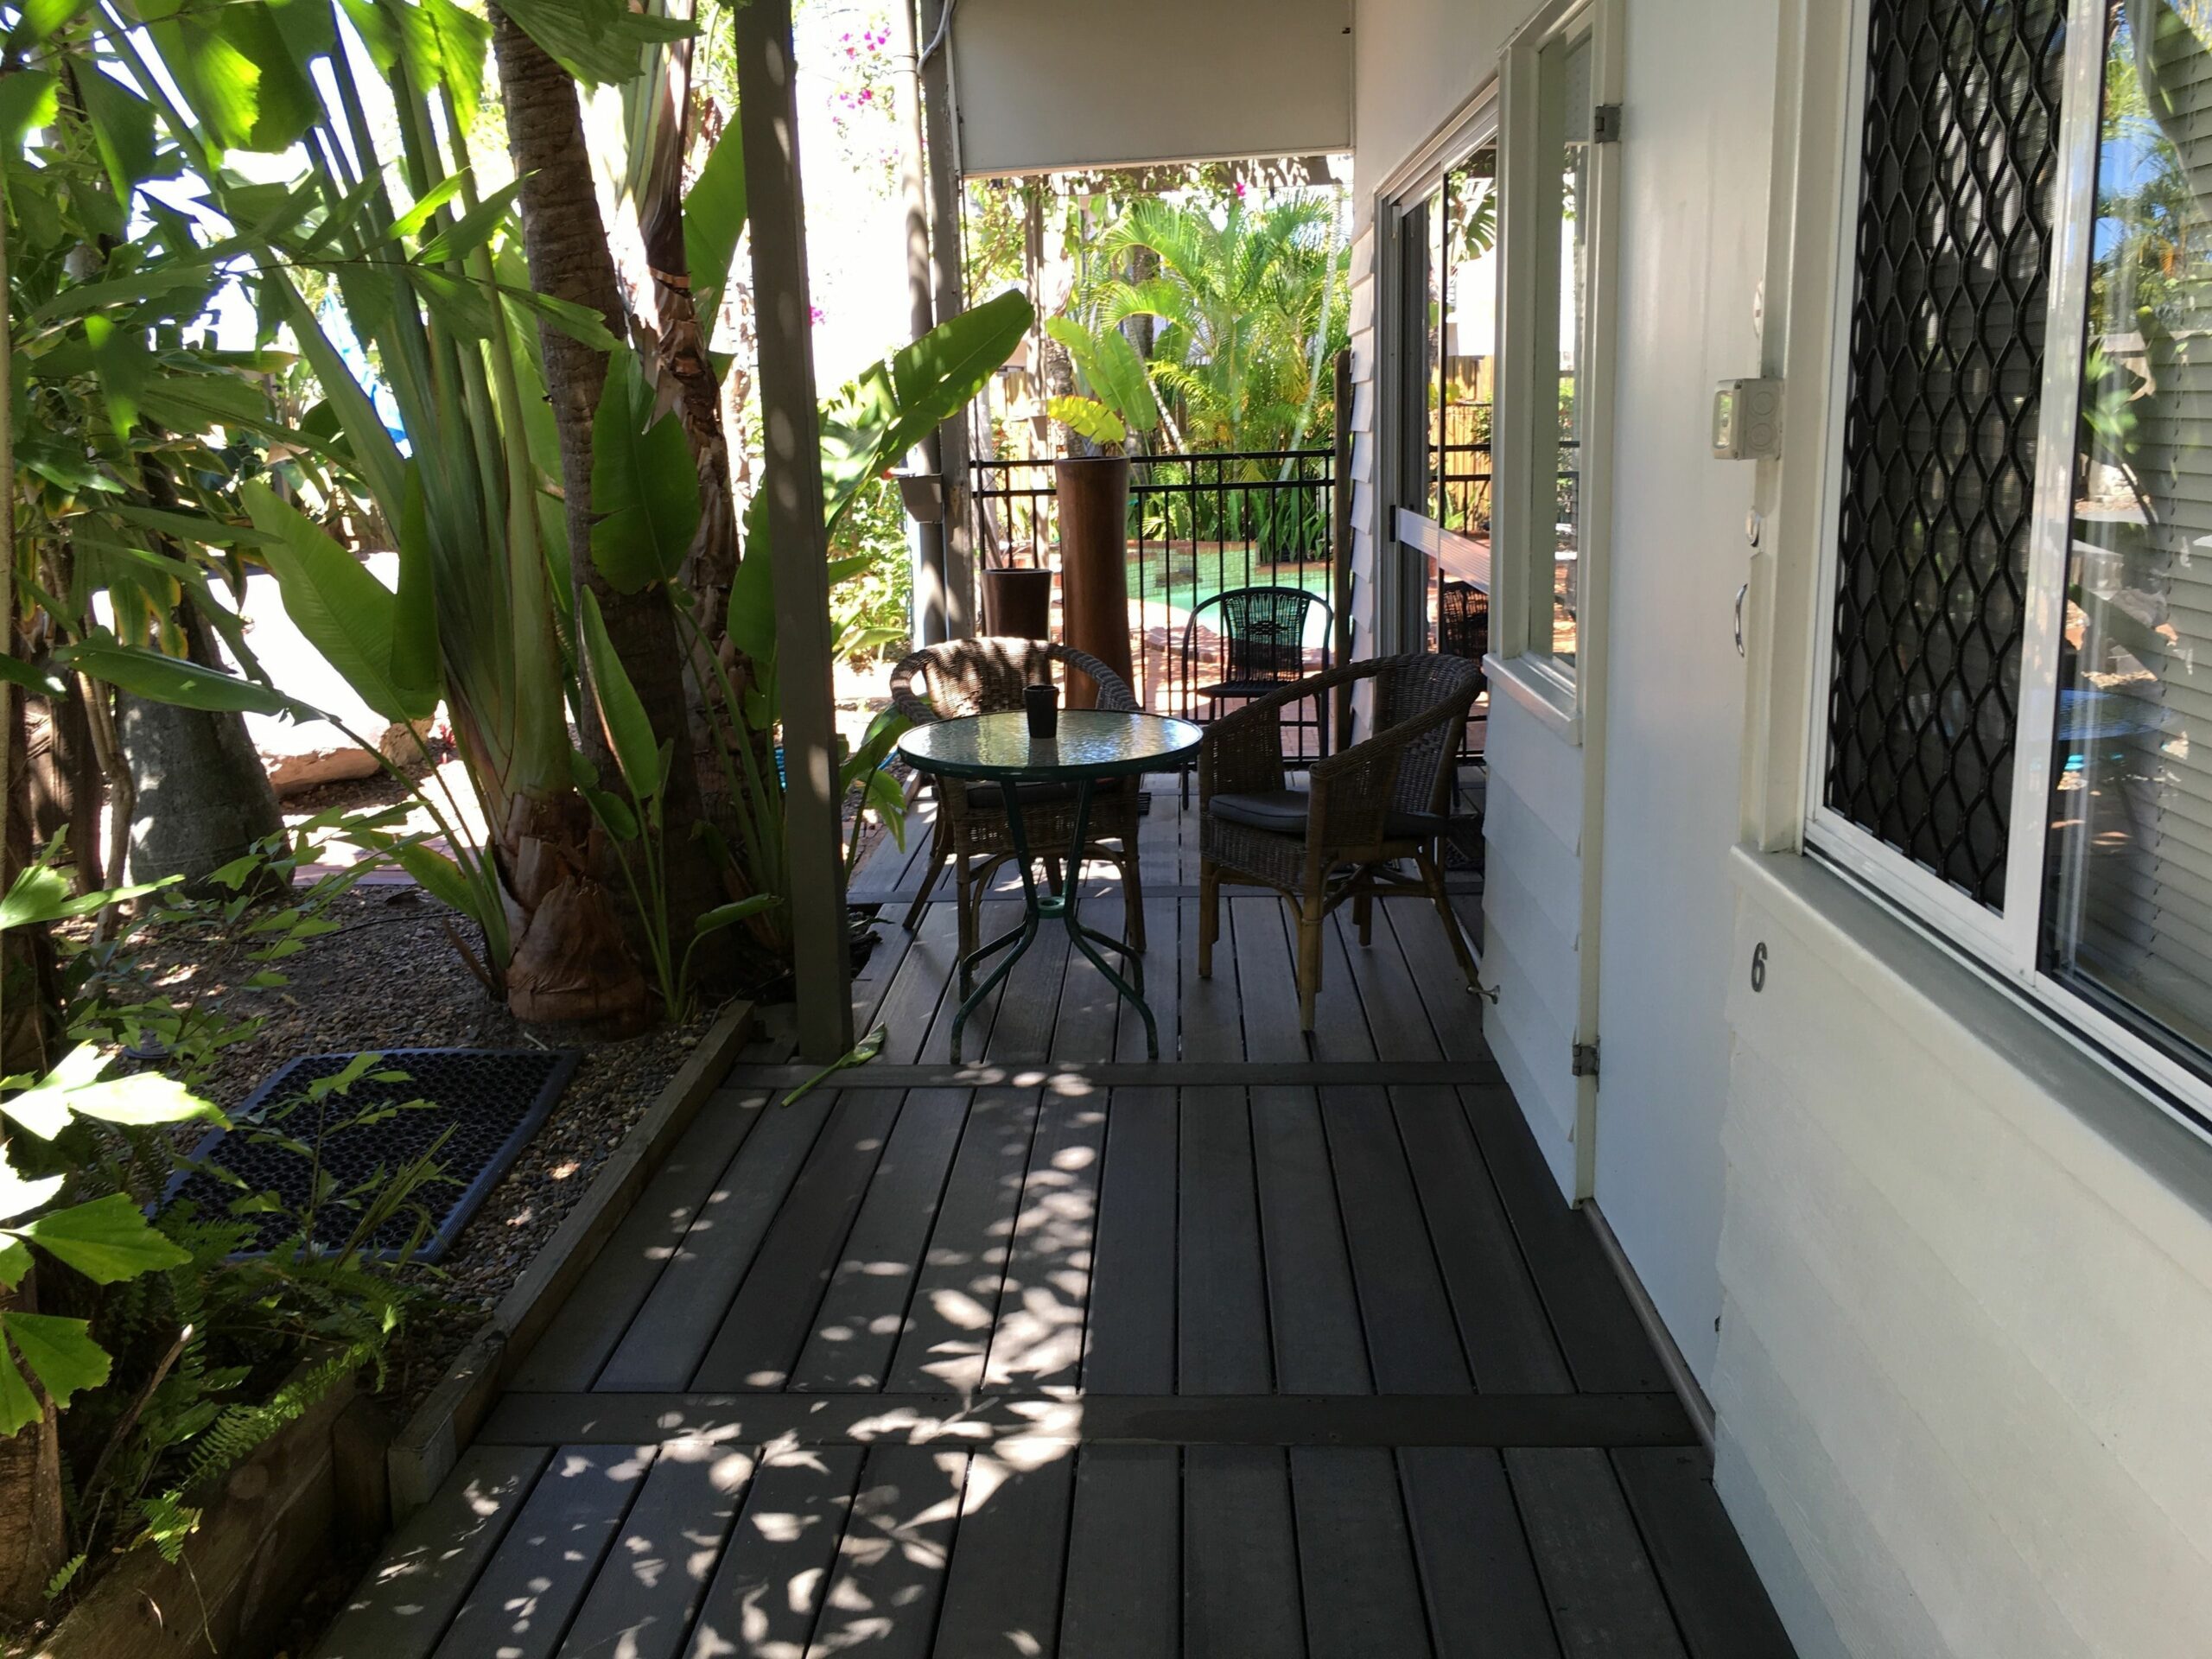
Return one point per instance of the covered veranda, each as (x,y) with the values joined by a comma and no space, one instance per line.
(1259,1349)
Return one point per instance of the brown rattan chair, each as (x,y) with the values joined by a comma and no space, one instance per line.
(987,676)
(1365,810)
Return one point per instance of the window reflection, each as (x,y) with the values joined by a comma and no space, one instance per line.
(2129,918)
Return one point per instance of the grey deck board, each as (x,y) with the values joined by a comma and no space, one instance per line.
(402,1609)
(1002,1594)
(1604,1592)
(1240,1593)
(1397,1019)
(1454,1013)
(1267,979)
(1130,1338)
(858,1322)
(766,1591)
(926,970)
(948,1321)
(679,1316)
(643,1601)
(1221,1295)
(1037,1341)
(773,1313)
(994,917)
(883,1598)
(1717,1599)
(537,1578)
(1363,1592)
(591,1322)
(873,982)
(1245,1353)
(1478,1581)
(1503,1326)
(1597,1329)
(1412,1341)
(1163,983)
(1123,1599)
(1319,1345)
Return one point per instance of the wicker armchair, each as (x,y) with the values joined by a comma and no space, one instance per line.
(1366,810)
(987,676)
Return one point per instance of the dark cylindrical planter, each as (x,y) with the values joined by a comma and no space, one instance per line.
(1017,604)
(1094,497)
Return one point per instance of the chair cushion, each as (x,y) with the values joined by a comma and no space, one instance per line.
(983,797)
(1282,812)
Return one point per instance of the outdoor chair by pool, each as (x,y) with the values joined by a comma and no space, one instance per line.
(986,676)
(1365,810)
(1258,637)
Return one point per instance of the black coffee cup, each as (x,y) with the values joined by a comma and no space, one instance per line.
(1042,704)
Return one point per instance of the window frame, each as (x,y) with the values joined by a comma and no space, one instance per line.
(2007,943)
(1409,530)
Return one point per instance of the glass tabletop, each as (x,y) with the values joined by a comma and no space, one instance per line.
(1090,743)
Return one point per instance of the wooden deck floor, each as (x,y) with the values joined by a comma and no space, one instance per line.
(1237,1354)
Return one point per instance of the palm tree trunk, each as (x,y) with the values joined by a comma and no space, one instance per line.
(565,243)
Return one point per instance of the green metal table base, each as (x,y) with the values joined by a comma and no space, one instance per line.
(1037,908)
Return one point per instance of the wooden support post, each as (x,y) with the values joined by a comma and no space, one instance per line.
(961,616)
(791,476)
(929,608)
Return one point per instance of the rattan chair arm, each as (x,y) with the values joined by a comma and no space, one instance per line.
(1350,791)
(907,700)
(1113,691)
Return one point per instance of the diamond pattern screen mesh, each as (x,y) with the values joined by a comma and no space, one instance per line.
(1945,364)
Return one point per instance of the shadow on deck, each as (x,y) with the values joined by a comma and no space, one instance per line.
(1237,1354)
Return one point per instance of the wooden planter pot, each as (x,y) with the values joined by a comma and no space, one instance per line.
(1094,498)
(1017,604)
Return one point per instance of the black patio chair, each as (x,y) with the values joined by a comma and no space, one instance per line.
(1259,646)
(1463,630)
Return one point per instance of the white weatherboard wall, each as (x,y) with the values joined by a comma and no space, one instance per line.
(1046,83)
(1967,1349)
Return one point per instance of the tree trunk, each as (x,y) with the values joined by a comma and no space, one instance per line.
(34,1541)
(566,244)
(202,797)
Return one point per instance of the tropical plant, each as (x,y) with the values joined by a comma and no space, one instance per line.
(1116,399)
(1252,309)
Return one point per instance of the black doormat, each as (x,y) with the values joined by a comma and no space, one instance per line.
(491,1100)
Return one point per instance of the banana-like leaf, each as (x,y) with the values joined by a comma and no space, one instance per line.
(1089,418)
(597,40)
(616,700)
(1113,371)
(345,613)
(160,679)
(713,219)
(644,484)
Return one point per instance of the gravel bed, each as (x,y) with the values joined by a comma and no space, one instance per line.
(389,978)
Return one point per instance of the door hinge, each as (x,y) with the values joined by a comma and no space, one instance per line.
(1605,123)
(1585,1059)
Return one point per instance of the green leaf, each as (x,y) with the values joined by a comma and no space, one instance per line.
(122,129)
(1089,417)
(644,484)
(471,230)
(44,681)
(345,613)
(713,219)
(107,1240)
(39,18)
(75,1088)
(41,893)
(15,1262)
(729,915)
(28,100)
(19,1197)
(601,41)
(579,322)
(1112,370)
(19,1406)
(60,1353)
(123,364)
(859,1054)
(160,679)
(437,875)
(411,222)
(622,715)
(613,812)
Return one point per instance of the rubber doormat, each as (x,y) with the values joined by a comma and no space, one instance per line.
(491,1100)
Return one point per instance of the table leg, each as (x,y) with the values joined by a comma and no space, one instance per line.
(1087,940)
(1021,938)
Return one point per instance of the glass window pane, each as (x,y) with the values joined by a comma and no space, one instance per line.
(2128,905)
(1563,121)
(1468,376)
(1434,212)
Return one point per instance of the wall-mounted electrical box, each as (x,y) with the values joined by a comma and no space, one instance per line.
(1747,419)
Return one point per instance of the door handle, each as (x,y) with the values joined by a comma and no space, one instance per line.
(1741,593)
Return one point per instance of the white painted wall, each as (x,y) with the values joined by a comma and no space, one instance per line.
(1041,86)
(1963,1362)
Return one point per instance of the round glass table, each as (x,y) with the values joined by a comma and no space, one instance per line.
(1091,744)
